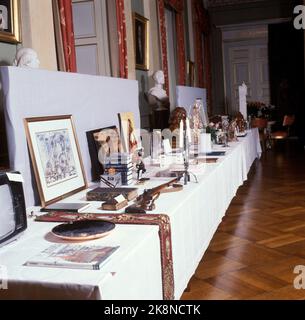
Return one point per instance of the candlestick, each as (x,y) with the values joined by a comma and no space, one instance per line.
(181,135)
(186,154)
(188,130)
(186,157)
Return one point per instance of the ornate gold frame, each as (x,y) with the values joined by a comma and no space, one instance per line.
(45,203)
(15,35)
(141,19)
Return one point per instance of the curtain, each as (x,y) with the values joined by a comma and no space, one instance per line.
(121,26)
(203,55)
(208,70)
(161,8)
(178,6)
(64,35)
(181,49)
(65,42)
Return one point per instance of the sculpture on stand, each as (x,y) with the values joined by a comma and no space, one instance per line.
(198,123)
(225,124)
(26,58)
(141,169)
(243,92)
(233,131)
(241,123)
(158,101)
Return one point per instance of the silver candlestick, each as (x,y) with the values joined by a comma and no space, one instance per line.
(186,156)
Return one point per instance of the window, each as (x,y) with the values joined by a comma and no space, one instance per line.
(91,37)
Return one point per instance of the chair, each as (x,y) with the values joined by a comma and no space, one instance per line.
(262,125)
(284,134)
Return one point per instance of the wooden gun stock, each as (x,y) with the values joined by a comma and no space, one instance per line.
(146,201)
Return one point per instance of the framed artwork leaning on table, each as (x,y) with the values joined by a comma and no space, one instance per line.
(128,132)
(102,143)
(55,156)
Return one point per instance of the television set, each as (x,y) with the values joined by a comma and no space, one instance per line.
(13,220)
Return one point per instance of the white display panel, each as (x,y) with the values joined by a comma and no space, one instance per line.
(186,97)
(93,101)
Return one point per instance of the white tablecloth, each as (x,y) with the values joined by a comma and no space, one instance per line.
(197,211)
(195,215)
(132,272)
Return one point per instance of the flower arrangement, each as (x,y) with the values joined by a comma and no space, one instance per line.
(257,109)
(215,130)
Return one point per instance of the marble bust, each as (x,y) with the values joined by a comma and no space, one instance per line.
(158,102)
(158,90)
(26,58)
(157,96)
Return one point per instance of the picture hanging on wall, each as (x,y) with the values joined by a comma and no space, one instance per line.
(141,39)
(128,133)
(55,156)
(102,143)
(10,21)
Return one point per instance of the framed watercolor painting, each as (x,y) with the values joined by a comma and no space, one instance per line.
(141,39)
(102,143)
(55,156)
(10,21)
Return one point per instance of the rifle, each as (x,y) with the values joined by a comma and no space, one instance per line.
(146,201)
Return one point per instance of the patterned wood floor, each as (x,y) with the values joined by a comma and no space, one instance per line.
(261,239)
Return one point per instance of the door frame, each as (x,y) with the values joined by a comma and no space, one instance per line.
(226,63)
(243,32)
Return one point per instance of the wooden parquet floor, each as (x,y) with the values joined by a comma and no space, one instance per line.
(262,238)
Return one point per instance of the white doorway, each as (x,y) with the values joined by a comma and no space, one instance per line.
(246,60)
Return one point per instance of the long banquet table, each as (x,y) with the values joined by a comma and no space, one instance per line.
(136,262)
(195,213)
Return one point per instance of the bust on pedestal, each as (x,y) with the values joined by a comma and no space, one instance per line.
(159,103)
(26,58)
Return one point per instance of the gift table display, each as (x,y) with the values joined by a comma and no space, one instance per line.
(178,231)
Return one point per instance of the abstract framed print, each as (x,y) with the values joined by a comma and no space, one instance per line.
(102,143)
(55,156)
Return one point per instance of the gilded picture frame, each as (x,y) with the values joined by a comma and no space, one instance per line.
(141,41)
(10,26)
(56,158)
